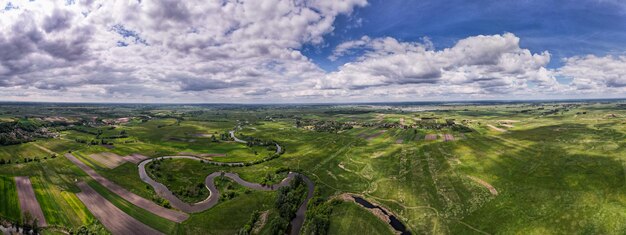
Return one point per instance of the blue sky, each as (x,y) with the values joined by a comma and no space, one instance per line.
(564,28)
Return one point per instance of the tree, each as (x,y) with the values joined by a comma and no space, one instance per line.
(35,226)
(278,225)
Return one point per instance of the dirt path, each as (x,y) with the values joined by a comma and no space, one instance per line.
(113,219)
(214,194)
(492,189)
(135,199)
(28,201)
(44,148)
(495,128)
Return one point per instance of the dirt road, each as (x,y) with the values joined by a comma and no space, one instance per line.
(496,128)
(28,201)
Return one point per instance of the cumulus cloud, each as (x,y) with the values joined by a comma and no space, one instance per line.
(596,74)
(488,64)
(186,46)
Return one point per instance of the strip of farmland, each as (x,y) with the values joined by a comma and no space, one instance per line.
(135,199)
(113,219)
(28,201)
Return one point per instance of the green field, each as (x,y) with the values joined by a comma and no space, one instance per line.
(60,207)
(17,153)
(229,216)
(9,205)
(349,218)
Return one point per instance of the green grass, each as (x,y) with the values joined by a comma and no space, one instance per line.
(127,176)
(349,218)
(182,174)
(20,151)
(229,216)
(60,207)
(9,205)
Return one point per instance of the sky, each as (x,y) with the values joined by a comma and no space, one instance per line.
(299,51)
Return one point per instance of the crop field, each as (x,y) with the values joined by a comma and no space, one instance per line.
(519,168)
(21,151)
(9,205)
(60,207)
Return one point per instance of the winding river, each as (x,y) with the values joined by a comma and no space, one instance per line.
(214,194)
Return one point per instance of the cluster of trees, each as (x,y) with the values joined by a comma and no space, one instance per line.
(318,216)
(91,229)
(189,191)
(323,125)
(94,141)
(28,224)
(22,131)
(225,137)
(227,188)
(26,160)
(287,203)
(159,200)
(271,179)
(99,139)
(253,141)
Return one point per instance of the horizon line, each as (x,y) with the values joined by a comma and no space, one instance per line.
(324,103)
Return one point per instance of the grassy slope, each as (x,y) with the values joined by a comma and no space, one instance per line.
(228,216)
(349,218)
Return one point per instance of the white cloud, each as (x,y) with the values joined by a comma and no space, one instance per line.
(188,47)
(483,64)
(239,51)
(596,74)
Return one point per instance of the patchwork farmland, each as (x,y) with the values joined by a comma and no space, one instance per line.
(452,169)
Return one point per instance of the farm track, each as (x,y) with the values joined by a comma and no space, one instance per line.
(28,201)
(43,148)
(136,200)
(492,189)
(113,219)
(496,128)
(214,194)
